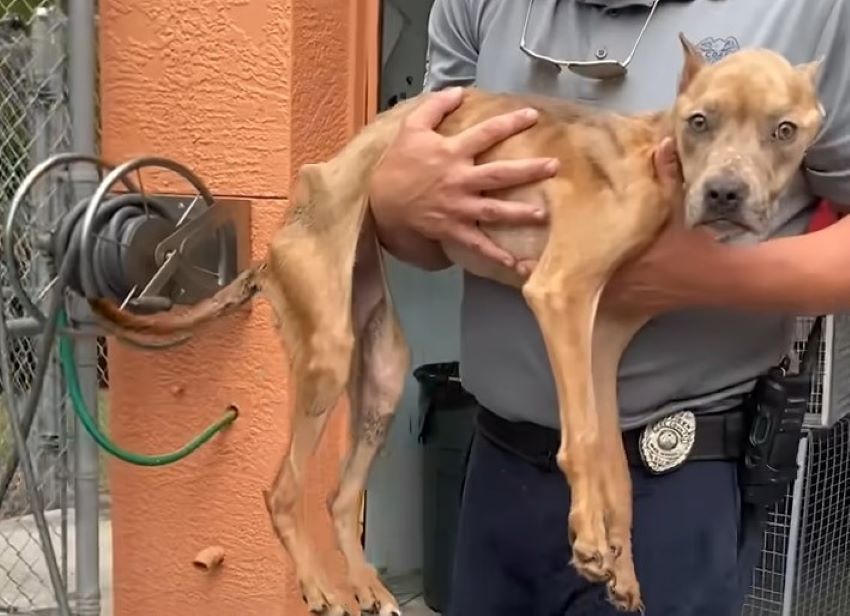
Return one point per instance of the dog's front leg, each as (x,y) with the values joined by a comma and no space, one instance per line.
(612,333)
(565,304)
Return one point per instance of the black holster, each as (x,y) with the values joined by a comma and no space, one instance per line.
(776,409)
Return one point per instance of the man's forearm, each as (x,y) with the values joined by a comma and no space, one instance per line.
(807,274)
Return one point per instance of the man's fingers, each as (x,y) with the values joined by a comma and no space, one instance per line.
(509,173)
(667,163)
(669,174)
(486,134)
(525,267)
(474,239)
(484,209)
(435,107)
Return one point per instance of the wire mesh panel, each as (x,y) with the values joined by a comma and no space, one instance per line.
(768,584)
(804,568)
(816,401)
(822,582)
(34,124)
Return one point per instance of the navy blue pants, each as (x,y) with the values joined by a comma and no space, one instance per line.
(512,551)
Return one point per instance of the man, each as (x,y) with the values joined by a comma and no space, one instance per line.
(728,309)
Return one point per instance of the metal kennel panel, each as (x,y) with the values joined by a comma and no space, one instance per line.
(830,399)
(804,567)
(821,585)
(767,591)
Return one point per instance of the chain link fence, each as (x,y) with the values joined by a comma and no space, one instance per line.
(34,124)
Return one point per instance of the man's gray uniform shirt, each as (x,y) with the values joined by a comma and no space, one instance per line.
(698,359)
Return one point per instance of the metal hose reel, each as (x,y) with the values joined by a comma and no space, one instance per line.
(146,252)
(101,235)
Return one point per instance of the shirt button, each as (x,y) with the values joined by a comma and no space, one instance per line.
(601,53)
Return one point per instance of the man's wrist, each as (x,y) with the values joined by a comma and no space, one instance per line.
(409,246)
(726,276)
(414,249)
(742,277)
(780,275)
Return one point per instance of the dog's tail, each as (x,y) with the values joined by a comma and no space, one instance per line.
(227,300)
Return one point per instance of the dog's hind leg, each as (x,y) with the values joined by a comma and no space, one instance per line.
(320,370)
(310,287)
(611,335)
(381,361)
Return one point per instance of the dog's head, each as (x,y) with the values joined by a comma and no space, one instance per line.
(742,128)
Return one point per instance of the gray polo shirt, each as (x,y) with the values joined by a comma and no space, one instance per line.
(699,359)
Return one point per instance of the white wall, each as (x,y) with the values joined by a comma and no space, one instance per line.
(429,308)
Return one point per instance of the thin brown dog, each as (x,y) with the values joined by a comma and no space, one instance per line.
(741,128)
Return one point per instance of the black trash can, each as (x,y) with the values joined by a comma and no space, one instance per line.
(446,424)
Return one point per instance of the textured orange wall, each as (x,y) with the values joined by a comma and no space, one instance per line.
(242,92)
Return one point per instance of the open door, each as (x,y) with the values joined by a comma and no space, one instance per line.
(366,25)
(428,304)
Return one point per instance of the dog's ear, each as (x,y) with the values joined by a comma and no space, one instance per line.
(812,70)
(694,61)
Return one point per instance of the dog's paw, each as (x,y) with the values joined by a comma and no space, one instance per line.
(319,599)
(371,594)
(623,587)
(592,556)
(625,595)
(591,564)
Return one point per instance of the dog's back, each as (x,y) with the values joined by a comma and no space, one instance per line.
(334,311)
(602,155)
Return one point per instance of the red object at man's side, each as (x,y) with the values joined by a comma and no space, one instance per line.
(823,217)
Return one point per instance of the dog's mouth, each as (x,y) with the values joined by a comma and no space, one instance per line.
(728,226)
(746,219)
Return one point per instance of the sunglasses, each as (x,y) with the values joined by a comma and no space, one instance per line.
(592,69)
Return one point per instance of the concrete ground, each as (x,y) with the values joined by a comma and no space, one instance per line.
(417,607)
(25,588)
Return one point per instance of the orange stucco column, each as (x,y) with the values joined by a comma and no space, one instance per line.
(243,92)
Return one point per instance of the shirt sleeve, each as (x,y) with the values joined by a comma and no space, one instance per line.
(452,53)
(827,164)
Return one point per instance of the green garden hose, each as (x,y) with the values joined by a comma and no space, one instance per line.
(69,368)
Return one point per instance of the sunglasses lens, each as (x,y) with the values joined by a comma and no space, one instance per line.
(599,70)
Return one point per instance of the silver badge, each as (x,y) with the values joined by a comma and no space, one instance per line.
(666,444)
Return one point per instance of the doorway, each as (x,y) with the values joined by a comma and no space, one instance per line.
(428,304)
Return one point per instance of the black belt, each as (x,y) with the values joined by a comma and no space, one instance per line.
(718,436)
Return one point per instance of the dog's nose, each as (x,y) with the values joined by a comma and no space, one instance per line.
(725,193)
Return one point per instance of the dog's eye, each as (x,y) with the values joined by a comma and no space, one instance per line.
(785,131)
(698,123)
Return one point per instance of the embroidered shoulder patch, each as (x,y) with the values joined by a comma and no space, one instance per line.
(715,49)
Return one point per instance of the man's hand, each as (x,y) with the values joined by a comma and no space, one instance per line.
(428,187)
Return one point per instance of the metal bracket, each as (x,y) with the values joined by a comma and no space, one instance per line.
(207,250)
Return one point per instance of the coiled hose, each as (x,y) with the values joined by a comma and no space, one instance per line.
(115,221)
